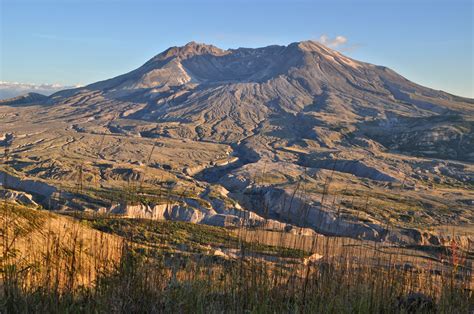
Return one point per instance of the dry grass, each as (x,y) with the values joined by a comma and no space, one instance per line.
(54,263)
(40,249)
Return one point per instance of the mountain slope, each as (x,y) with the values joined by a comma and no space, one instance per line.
(24,99)
(275,123)
(224,95)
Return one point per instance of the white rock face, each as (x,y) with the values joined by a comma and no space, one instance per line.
(156,212)
(179,212)
(18,197)
(27,185)
(188,214)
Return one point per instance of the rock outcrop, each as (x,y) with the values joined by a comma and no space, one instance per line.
(35,187)
(18,197)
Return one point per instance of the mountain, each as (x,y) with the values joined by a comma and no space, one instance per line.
(229,95)
(15,89)
(267,125)
(23,99)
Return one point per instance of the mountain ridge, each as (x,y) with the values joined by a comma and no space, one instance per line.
(194,49)
(203,92)
(24,99)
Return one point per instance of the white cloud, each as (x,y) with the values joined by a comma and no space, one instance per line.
(332,42)
(13,89)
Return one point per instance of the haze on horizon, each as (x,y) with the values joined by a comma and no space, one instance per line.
(49,44)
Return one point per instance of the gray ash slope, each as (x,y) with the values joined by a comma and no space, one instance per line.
(202,92)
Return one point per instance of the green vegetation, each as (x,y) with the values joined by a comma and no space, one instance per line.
(177,235)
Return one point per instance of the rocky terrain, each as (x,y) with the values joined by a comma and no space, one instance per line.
(296,137)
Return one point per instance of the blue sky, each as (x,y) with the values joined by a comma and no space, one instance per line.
(81,41)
